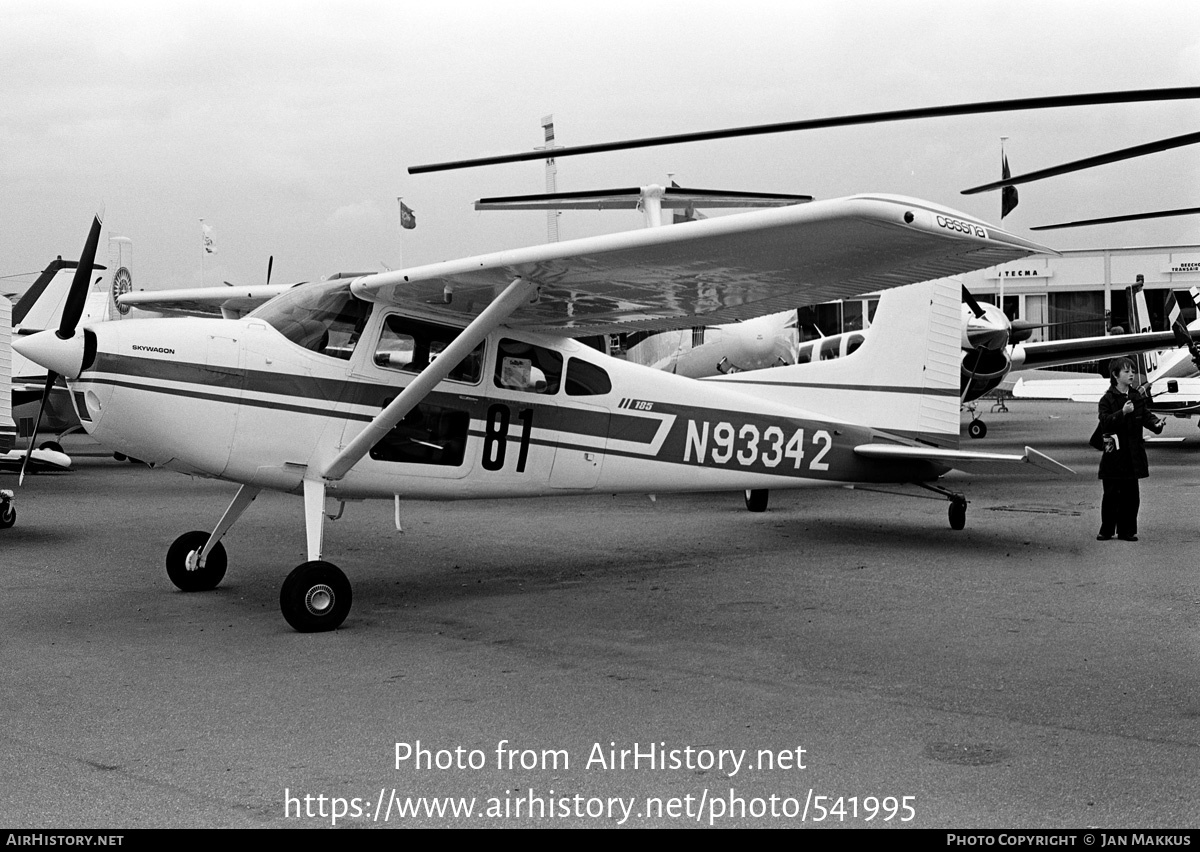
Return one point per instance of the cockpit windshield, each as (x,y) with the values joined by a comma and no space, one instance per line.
(323,318)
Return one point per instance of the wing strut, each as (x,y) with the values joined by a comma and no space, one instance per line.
(516,294)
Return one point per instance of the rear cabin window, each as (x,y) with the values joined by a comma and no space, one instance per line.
(411,345)
(584,379)
(856,340)
(525,367)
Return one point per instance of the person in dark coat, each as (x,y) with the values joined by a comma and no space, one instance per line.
(1123,415)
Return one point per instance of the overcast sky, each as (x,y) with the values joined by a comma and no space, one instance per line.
(289,126)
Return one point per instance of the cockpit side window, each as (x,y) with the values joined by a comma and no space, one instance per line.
(410,345)
(323,318)
(526,367)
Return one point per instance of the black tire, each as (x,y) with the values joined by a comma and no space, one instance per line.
(315,597)
(53,446)
(958,514)
(756,500)
(202,579)
(977,429)
(8,516)
(119,456)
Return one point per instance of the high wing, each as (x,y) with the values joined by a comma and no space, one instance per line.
(226,302)
(715,271)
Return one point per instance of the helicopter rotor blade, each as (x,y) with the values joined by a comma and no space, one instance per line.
(1009,105)
(1154,214)
(1090,162)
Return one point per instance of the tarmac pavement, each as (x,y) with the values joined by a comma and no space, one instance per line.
(1018,673)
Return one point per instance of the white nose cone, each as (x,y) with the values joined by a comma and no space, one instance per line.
(48,350)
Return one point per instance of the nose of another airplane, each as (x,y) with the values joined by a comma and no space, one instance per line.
(48,350)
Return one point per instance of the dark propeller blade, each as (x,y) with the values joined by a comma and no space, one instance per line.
(971,303)
(270,263)
(1155,214)
(1091,162)
(1011,105)
(51,378)
(77,296)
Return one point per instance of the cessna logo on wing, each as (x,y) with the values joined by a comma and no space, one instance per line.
(962,227)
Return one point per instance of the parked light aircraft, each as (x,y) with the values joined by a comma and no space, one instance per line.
(41,458)
(8,427)
(1171,380)
(494,398)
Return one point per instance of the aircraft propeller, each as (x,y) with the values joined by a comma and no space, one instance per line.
(971,303)
(72,313)
(1183,338)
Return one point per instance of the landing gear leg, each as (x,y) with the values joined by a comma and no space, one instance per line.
(958,505)
(316,596)
(196,561)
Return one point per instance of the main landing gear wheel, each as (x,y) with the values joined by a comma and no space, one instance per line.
(958,514)
(756,500)
(181,563)
(977,429)
(8,516)
(315,597)
(53,446)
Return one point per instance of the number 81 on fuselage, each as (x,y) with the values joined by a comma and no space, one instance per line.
(750,446)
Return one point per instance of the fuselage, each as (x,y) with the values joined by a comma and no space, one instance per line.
(271,398)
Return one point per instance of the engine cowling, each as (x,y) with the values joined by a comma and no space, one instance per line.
(982,370)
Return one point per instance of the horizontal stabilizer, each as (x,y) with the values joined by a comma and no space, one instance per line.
(967,461)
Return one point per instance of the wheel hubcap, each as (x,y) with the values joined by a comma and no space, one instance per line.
(319,599)
(191,563)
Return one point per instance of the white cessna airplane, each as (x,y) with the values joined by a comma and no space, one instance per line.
(461,379)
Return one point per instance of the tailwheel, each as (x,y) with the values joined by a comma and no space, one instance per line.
(316,596)
(977,429)
(756,500)
(182,565)
(958,513)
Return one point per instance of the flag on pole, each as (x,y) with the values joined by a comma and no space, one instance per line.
(1008,195)
(408,219)
(206,238)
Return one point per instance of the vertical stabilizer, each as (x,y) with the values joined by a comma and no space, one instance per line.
(904,379)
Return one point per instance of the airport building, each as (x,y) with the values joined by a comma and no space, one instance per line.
(1078,294)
